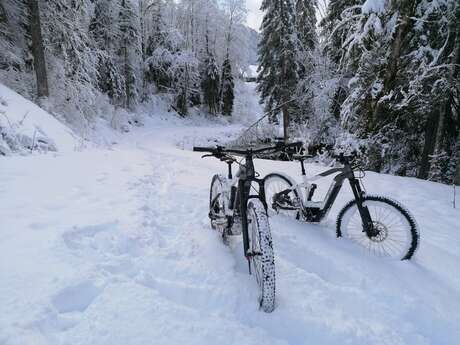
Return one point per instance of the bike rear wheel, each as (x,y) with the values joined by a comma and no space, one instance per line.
(274,184)
(261,254)
(397,235)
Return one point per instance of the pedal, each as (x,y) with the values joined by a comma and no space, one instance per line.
(235,228)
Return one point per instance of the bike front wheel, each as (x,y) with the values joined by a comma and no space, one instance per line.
(261,254)
(285,203)
(396,230)
(219,200)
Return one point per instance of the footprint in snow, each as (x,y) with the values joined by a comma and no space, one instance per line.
(76,298)
(80,237)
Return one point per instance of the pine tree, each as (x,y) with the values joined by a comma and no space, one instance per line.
(305,19)
(341,16)
(210,84)
(438,166)
(185,81)
(400,95)
(105,32)
(6,37)
(160,47)
(130,50)
(305,15)
(453,167)
(73,76)
(16,62)
(336,26)
(278,78)
(227,88)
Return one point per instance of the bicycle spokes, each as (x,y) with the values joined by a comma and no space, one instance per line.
(389,233)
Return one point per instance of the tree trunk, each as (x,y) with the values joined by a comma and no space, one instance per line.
(286,123)
(127,76)
(456,77)
(38,50)
(431,128)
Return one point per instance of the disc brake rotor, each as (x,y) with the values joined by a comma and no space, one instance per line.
(382,232)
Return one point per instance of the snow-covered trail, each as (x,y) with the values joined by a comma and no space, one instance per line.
(114,247)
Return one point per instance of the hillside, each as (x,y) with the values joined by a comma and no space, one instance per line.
(25,127)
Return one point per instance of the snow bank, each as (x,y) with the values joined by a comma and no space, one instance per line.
(25,127)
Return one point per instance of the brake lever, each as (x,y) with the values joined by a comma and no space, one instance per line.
(208,155)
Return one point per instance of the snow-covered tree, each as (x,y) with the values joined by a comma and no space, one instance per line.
(130,49)
(73,71)
(210,84)
(105,32)
(278,67)
(453,168)
(16,61)
(305,14)
(399,58)
(307,40)
(341,16)
(227,89)
(12,20)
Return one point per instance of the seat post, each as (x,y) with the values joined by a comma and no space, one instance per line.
(230,175)
(302,164)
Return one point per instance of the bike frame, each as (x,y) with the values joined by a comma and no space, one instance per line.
(240,187)
(317,211)
(240,194)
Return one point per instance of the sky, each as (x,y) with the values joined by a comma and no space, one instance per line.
(254,13)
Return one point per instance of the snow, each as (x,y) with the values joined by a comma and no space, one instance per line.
(29,124)
(247,107)
(373,6)
(251,71)
(113,246)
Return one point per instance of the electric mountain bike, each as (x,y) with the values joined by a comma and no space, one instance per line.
(383,226)
(236,207)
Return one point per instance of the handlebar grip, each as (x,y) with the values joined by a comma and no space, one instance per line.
(203,149)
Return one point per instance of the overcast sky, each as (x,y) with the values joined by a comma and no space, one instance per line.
(254,14)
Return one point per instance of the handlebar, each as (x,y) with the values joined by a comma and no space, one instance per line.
(204,149)
(220,150)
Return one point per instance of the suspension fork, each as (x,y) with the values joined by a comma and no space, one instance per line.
(368,225)
(243,194)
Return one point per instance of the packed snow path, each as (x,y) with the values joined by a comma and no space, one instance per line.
(114,247)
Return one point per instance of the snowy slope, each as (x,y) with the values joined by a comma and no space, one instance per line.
(114,247)
(25,125)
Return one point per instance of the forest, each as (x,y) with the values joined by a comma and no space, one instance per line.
(381,77)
